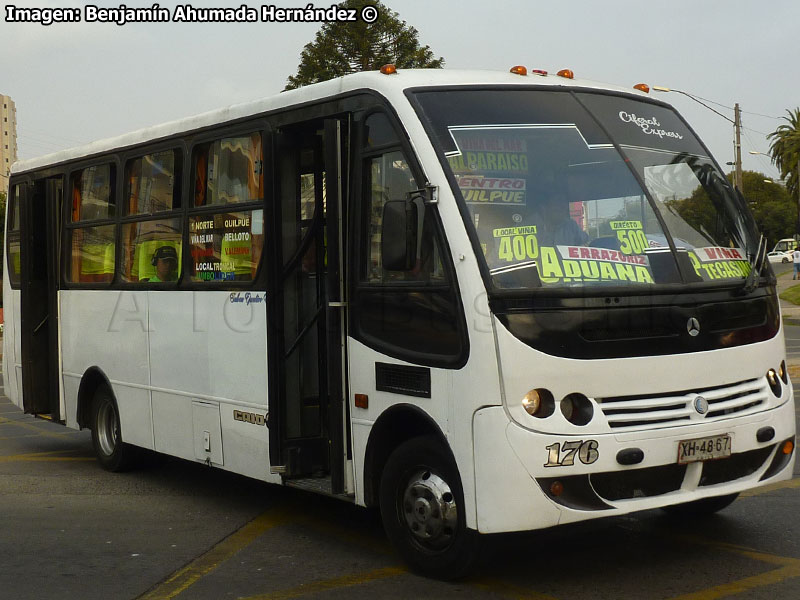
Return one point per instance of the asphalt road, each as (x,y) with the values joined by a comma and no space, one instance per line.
(70,530)
(791,334)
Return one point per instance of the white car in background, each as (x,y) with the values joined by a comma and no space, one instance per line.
(776,256)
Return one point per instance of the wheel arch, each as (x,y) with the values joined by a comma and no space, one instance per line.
(395,426)
(93,378)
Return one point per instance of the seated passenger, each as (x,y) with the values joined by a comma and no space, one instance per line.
(165,260)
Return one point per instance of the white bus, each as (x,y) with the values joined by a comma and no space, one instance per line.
(483,302)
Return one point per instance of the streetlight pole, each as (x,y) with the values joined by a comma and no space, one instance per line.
(737,125)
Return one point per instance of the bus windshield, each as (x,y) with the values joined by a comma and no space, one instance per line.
(584,189)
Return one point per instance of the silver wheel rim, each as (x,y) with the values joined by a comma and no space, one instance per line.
(107,428)
(429,510)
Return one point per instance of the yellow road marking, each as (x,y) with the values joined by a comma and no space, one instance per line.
(331,584)
(32,435)
(508,590)
(744,585)
(31,427)
(343,534)
(789,568)
(208,562)
(43,456)
(791,483)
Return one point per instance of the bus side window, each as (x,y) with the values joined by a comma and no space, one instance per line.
(413,315)
(226,244)
(152,183)
(151,251)
(92,248)
(13,266)
(229,170)
(390,179)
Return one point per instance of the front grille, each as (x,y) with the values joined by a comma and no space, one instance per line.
(656,410)
(735,466)
(638,483)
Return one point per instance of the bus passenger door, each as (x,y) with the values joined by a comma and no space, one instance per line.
(40,236)
(306,309)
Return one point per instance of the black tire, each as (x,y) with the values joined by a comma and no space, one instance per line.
(785,260)
(422,508)
(698,508)
(112,453)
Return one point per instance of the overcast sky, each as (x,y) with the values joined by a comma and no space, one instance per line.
(75,83)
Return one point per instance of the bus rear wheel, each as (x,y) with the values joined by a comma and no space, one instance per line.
(112,453)
(705,506)
(422,508)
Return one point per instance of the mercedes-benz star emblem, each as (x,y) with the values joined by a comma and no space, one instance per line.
(701,405)
(693,327)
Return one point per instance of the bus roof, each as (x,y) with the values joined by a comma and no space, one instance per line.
(390,86)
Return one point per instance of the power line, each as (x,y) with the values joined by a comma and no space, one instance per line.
(764,133)
(731,108)
(760,115)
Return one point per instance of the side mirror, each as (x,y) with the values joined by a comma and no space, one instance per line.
(399,230)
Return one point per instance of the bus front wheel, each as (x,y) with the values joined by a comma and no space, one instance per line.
(422,508)
(112,453)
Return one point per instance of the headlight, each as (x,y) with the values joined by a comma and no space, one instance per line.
(577,409)
(538,403)
(774,382)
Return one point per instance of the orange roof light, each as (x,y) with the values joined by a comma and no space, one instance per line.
(642,87)
(541,72)
(567,73)
(518,70)
(389,69)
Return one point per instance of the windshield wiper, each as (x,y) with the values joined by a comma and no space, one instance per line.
(751,282)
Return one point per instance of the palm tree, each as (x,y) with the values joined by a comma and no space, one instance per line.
(785,150)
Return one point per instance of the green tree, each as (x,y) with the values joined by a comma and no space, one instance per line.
(773,209)
(785,150)
(341,48)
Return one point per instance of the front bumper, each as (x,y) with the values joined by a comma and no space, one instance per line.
(515,468)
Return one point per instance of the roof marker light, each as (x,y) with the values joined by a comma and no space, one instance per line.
(389,69)
(518,70)
(566,73)
(642,87)
(541,72)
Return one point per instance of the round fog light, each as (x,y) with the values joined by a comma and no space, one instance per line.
(788,446)
(577,409)
(556,488)
(538,403)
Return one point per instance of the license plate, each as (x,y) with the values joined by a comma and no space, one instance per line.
(706,448)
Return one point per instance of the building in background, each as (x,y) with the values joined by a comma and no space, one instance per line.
(8,139)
